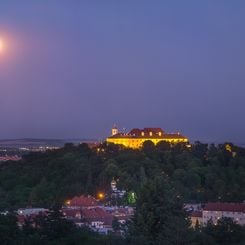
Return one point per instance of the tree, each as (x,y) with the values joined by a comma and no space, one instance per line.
(199,149)
(159,216)
(116,225)
(148,147)
(9,231)
(142,176)
(54,226)
(163,146)
(226,232)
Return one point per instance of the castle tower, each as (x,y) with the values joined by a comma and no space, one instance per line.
(114,130)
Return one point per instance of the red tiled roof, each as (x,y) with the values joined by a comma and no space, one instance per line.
(156,133)
(226,207)
(83,201)
(68,212)
(196,214)
(94,212)
(97,214)
(146,131)
(153,130)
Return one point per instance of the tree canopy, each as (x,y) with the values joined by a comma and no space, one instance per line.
(160,177)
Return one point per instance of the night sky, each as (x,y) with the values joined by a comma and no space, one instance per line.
(71,69)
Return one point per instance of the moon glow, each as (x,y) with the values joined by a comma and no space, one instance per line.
(1,46)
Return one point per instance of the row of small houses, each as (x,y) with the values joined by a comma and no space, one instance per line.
(215,211)
(86,211)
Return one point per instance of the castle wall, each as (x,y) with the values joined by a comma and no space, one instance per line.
(137,143)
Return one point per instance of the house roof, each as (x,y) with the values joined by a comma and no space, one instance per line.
(225,207)
(97,214)
(88,214)
(83,201)
(30,211)
(196,214)
(68,212)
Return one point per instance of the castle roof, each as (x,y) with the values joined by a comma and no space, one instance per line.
(148,133)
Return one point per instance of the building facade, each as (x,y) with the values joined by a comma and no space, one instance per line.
(136,137)
(214,211)
(196,218)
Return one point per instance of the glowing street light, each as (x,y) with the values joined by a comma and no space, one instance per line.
(101,195)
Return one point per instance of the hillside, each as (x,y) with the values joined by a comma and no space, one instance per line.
(202,173)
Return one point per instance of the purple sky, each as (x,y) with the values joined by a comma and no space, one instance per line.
(74,68)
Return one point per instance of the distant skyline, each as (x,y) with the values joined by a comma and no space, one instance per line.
(71,69)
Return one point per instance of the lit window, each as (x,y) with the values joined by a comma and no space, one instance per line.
(142,133)
(150,133)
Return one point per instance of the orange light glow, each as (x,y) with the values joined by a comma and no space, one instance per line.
(68,202)
(101,195)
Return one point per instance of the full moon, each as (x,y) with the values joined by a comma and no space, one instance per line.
(1,45)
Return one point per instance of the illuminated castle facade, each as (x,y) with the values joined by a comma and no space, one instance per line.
(136,137)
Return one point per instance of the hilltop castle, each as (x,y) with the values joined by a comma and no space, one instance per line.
(136,137)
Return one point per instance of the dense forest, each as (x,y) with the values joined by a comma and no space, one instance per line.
(162,176)
(199,174)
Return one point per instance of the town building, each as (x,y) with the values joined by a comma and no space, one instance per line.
(122,214)
(214,211)
(115,192)
(30,214)
(136,137)
(96,218)
(87,211)
(196,218)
